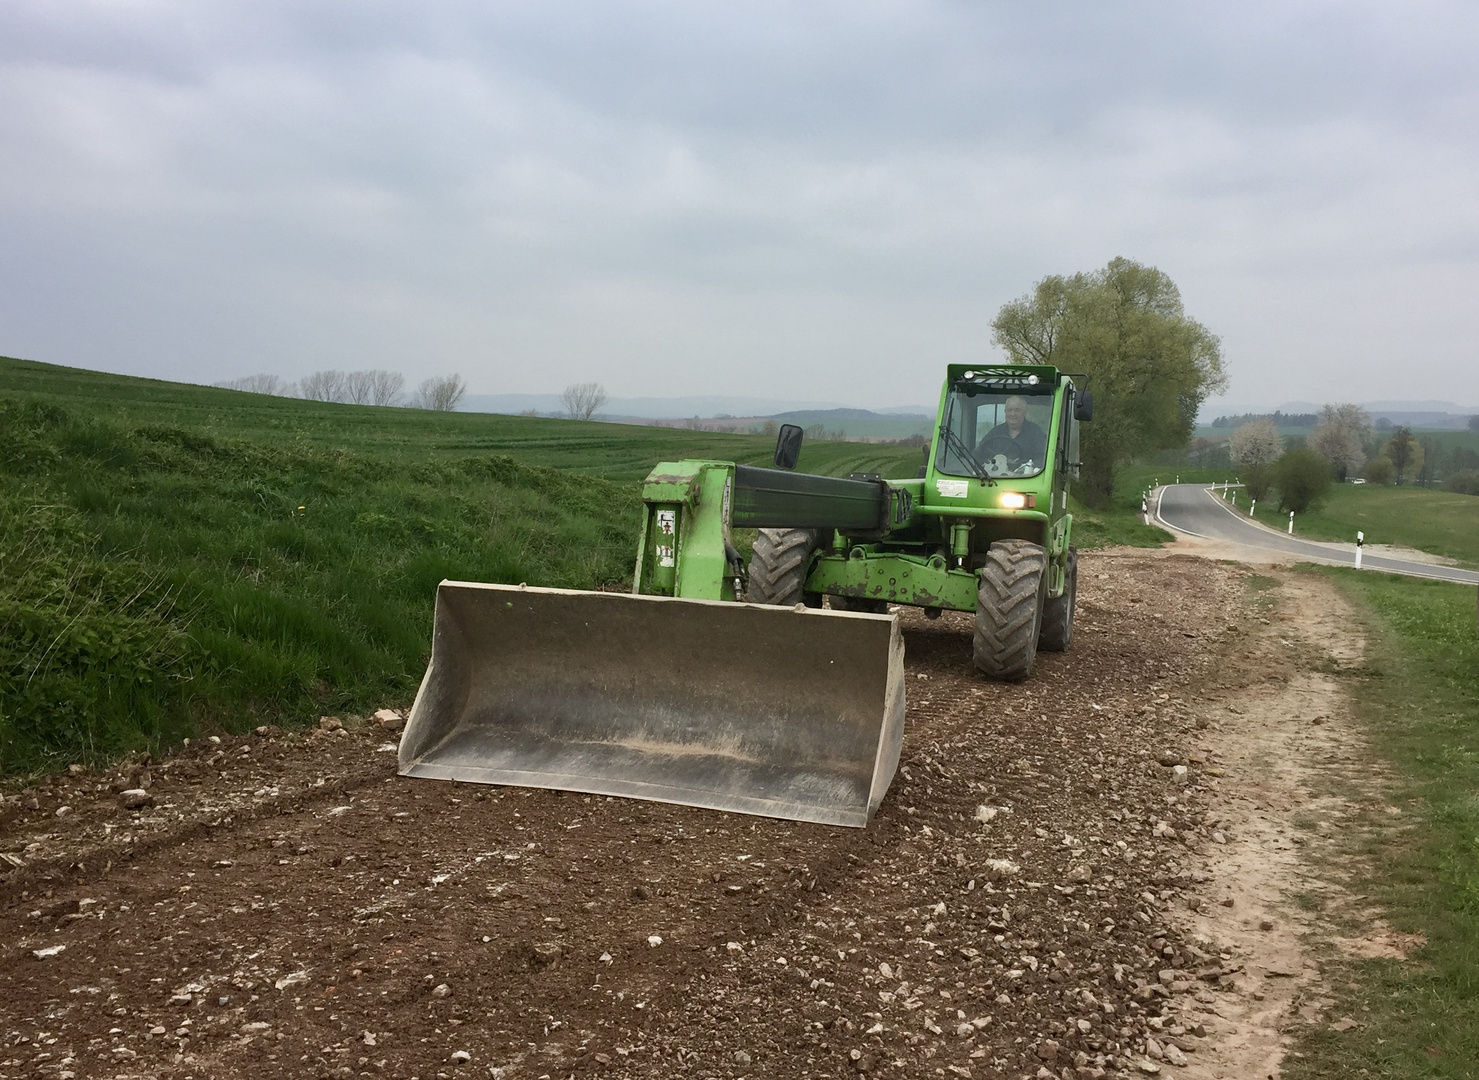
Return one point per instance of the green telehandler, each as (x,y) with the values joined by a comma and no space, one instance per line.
(736,687)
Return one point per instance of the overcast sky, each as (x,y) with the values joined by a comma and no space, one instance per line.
(800,200)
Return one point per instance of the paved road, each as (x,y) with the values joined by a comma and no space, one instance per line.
(1193,509)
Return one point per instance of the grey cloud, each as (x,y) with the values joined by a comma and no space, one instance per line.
(660,194)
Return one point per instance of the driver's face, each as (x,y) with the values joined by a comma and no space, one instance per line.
(1016,411)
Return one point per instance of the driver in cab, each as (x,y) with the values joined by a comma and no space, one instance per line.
(1018,440)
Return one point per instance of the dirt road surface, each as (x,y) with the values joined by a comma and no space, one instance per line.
(1040,894)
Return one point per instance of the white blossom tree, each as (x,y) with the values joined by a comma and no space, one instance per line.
(1257,442)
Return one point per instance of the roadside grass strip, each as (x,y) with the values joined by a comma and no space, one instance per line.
(1418,695)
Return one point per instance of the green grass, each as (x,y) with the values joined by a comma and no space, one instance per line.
(1437,522)
(611,451)
(155,580)
(1420,702)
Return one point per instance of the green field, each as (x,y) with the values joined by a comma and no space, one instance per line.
(1418,695)
(1434,521)
(611,451)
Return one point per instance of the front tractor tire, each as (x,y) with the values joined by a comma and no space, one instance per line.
(1009,609)
(1057,611)
(779,565)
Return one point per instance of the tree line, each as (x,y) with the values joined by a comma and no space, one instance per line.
(1280,419)
(1344,445)
(441,393)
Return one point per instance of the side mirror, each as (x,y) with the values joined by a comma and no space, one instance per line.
(1083,406)
(788,446)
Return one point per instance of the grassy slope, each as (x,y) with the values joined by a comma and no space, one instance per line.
(1437,522)
(611,451)
(1420,1018)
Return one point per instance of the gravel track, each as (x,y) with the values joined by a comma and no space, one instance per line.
(288,907)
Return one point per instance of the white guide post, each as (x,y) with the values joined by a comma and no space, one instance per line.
(1291,522)
(1252,507)
(1360,542)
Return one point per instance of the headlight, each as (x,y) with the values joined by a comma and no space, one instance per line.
(1017,500)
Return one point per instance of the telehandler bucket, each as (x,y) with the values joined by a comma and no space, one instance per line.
(762,710)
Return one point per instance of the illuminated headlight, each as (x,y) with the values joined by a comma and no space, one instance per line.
(1016,500)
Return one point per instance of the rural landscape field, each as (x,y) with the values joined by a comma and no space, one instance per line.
(1163,853)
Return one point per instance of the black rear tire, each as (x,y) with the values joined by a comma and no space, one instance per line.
(1057,612)
(1009,608)
(779,565)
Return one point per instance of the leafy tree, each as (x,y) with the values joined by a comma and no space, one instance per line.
(1340,437)
(1257,479)
(1463,459)
(1257,442)
(1464,483)
(1405,453)
(1380,470)
(1150,367)
(1303,479)
(582,400)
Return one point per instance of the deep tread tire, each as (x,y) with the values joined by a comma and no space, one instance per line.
(779,565)
(1009,607)
(1057,612)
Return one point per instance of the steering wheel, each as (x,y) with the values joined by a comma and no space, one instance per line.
(994,454)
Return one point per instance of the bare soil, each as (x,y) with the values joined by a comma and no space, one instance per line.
(1040,894)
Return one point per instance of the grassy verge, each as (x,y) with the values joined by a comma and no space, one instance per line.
(1437,522)
(1420,700)
(155,580)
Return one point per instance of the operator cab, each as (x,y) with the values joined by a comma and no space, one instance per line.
(996,425)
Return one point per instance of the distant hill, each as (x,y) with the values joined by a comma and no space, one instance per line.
(860,422)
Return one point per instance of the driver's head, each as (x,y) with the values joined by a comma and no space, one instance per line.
(1015,409)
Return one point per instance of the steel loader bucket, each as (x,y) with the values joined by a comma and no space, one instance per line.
(762,710)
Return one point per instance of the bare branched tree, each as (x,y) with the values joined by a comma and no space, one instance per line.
(583,399)
(358,386)
(261,384)
(324,386)
(440,393)
(386,387)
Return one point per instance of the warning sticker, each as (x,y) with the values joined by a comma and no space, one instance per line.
(665,555)
(667,522)
(953,489)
